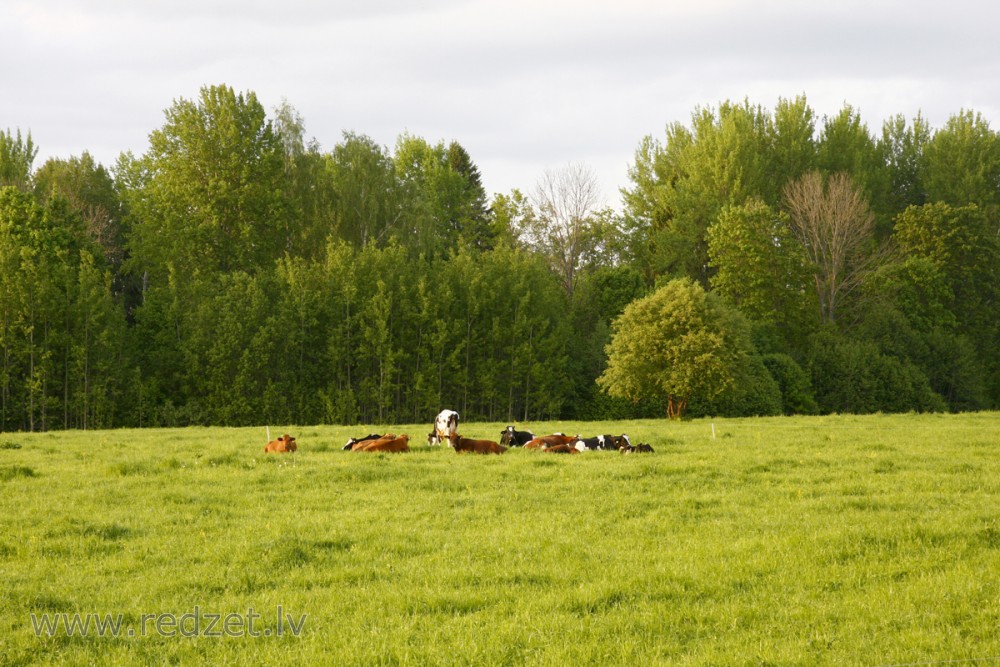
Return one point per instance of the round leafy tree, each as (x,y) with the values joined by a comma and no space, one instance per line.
(678,342)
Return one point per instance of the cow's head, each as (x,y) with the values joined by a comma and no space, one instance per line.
(621,441)
(507,435)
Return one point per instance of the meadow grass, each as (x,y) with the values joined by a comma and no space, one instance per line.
(781,541)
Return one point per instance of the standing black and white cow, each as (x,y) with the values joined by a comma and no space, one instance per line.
(514,438)
(445,426)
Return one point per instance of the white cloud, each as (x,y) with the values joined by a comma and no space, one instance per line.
(524,85)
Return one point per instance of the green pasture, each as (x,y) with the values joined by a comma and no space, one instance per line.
(782,541)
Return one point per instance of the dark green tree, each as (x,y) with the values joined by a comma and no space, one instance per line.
(762,268)
(902,147)
(962,164)
(91,194)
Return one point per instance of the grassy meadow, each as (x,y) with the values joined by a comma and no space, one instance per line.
(782,541)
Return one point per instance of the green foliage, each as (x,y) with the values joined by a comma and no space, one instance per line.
(846,146)
(902,147)
(753,393)
(917,288)
(854,376)
(473,220)
(236,273)
(208,195)
(681,187)
(16,157)
(679,342)
(760,266)
(90,192)
(793,384)
(367,201)
(61,331)
(364,335)
(956,372)
(962,244)
(962,163)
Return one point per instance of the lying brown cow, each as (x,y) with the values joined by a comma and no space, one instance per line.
(282,445)
(364,442)
(561,449)
(550,441)
(353,441)
(391,445)
(475,446)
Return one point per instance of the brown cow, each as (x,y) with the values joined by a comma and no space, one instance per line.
(365,442)
(282,445)
(388,445)
(353,441)
(475,446)
(550,440)
(561,449)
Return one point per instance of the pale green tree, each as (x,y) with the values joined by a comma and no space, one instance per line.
(676,343)
(16,157)
(444,198)
(209,194)
(367,202)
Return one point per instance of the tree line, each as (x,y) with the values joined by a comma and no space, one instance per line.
(236,273)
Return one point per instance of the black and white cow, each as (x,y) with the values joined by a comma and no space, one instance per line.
(445,426)
(514,438)
(597,442)
(641,448)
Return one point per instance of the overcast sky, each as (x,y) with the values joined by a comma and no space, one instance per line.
(523,85)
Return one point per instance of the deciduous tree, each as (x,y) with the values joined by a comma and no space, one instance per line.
(16,157)
(564,227)
(678,342)
(760,266)
(833,223)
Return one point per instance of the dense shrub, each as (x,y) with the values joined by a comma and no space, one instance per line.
(796,391)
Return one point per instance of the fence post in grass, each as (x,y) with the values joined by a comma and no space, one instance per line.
(713,430)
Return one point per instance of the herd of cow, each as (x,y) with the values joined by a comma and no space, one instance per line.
(446,429)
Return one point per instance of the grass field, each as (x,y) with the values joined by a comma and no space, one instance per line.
(783,541)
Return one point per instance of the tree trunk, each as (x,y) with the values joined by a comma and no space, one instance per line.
(675,407)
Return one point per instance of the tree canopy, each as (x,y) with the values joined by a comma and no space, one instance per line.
(678,342)
(762,261)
